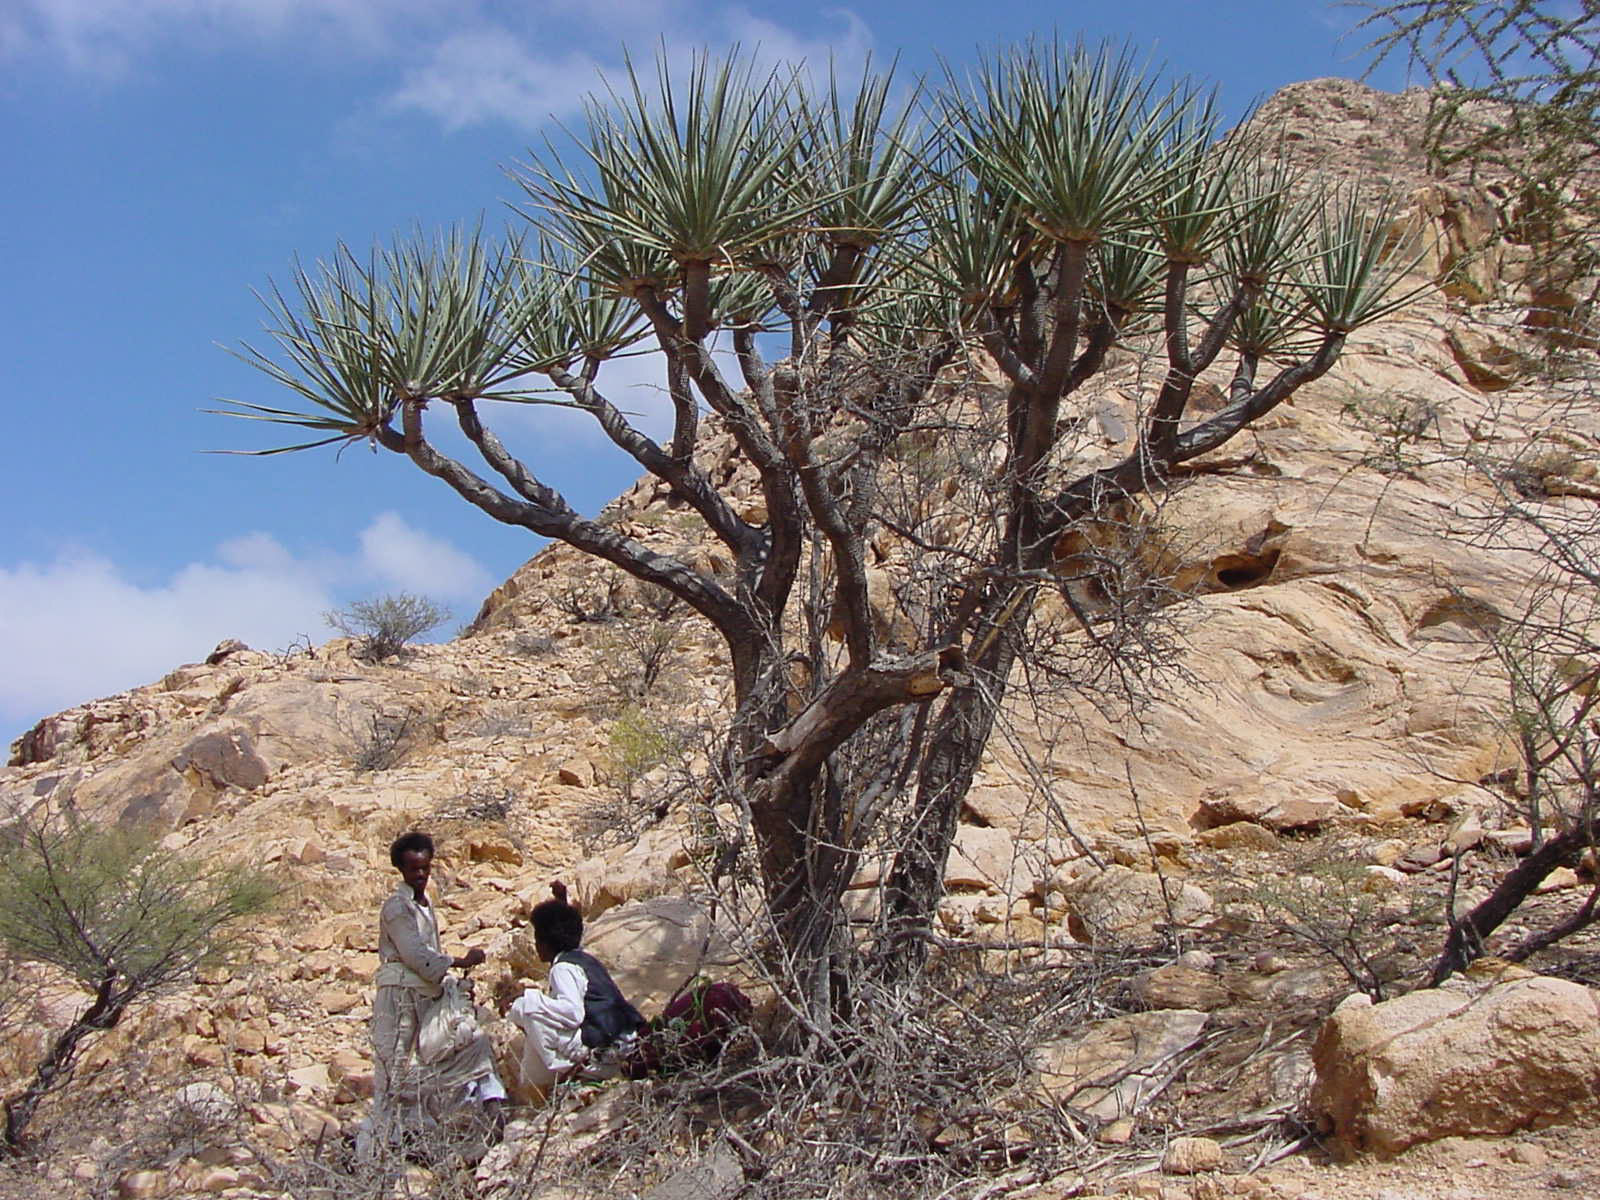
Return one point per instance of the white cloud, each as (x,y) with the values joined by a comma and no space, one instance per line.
(480,60)
(106,37)
(847,48)
(409,560)
(490,75)
(493,72)
(79,626)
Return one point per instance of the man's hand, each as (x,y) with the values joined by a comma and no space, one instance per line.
(470,959)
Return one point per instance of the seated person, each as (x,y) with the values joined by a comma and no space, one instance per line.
(581,1024)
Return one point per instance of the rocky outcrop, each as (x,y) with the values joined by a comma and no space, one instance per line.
(653,947)
(1478,1056)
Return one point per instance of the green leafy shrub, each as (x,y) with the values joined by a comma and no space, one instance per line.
(120,916)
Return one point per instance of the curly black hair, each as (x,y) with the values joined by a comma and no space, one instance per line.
(407,843)
(557,923)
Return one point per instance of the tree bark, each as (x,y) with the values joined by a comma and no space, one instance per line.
(961,733)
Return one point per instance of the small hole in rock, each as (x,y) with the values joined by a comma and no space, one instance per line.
(1234,571)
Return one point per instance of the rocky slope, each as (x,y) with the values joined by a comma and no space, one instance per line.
(1336,687)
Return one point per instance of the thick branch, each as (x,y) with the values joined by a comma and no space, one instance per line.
(102,1014)
(757,374)
(850,700)
(686,480)
(1102,336)
(775,563)
(1220,427)
(998,343)
(545,512)
(1585,915)
(1067,322)
(1139,471)
(685,408)
(1161,431)
(1467,936)
(701,368)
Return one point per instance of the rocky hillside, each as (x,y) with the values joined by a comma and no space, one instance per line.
(1335,700)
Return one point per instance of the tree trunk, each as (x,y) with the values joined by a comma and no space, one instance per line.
(959,737)
(1465,943)
(805,824)
(102,1014)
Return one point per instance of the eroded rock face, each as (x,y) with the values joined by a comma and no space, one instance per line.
(1468,1058)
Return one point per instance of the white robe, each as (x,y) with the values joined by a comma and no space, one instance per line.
(552,1021)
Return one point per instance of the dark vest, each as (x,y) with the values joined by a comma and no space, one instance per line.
(606,1015)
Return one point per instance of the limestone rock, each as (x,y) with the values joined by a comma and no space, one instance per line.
(336,1000)
(1475,1057)
(1238,835)
(1122,905)
(1191,1155)
(206,1102)
(1487,361)
(225,649)
(1278,814)
(1115,1067)
(1177,986)
(224,757)
(495,850)
(215,1179)
(715,1175)
(142,1185)
(652,946)
(577,772)
(643,870)
(990,858)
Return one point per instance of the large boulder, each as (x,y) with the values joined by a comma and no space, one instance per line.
(642,870)
(1120,905)
(990,859)
(651,947)
(1477,1056)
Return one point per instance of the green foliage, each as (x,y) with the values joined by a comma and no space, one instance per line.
(386,623)
(1349,278)
(1073,134)
(636,744)
(746,174)
(97,903)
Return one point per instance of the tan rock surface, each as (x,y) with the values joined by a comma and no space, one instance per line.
(653,946)
(1120,905)
(1117,1066)
(1469,1058)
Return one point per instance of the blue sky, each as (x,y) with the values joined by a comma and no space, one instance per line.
(162,158)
